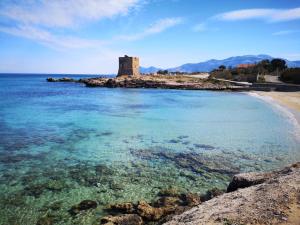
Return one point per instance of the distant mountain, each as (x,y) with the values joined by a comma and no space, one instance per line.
(209,65)
(150,69)
(293,63)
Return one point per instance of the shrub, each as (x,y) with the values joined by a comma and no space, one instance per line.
(291,75)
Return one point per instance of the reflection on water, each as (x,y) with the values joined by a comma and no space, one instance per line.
(64,143)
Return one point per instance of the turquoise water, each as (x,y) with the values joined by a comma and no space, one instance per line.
(61,143)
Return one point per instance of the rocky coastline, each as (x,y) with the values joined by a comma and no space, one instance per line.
(251,198)
(182,82)
(151,81)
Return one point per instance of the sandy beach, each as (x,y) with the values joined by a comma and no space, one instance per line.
(289,102)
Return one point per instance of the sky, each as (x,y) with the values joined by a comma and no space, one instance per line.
(88,36)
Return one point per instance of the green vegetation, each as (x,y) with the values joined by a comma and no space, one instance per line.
(255,72)
(291,75)
(163,72)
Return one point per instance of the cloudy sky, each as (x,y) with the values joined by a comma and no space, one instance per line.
(87,36)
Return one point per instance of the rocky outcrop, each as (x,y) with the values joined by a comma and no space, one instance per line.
(259,198)
(169,203)
(165,82)
(125,219)
(64,79)
(244,180)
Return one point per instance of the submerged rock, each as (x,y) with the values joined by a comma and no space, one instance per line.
(172,192)
(45,220)
(170,203)
(205,147)
(211,194)
(126,219)
(148,212)
(191,199)
(84,205)
(126,207)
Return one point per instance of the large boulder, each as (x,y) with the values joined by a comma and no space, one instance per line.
(244,180)
(274,201)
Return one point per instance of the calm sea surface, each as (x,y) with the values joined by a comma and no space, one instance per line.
(61,143)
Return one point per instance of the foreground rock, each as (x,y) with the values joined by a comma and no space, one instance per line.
(266,198)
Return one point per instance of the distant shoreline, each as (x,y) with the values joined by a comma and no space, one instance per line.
(177,82)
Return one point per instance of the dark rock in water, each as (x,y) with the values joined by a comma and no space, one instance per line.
(56,185)
(191,199)
(34,190)
(84,205)
(64,79)
(211,194)
(206,147)
(126,219)
(55,205)
(50,79)
(168,201)
(17,200)
(183,136)
(126,207)
(45,220)
(198,163)
(185,142)
(103,170)
(105,133)
(21,157)
(173,141)
(244,180)
(116,186)
(148,212)
(171,192)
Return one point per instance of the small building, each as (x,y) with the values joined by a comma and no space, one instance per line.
(129,66)
(245,66)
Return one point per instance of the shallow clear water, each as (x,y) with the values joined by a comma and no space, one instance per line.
(61,143)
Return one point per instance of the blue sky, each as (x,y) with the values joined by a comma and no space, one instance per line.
(87,36)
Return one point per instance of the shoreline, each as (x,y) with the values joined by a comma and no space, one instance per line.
(287,103)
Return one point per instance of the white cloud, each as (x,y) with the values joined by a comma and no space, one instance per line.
(284,32)
(49,39)
(200,27)
(59,13)
(269,15)
(286,15)
(158,27)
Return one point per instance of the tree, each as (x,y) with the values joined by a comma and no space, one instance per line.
(222,67)
(265,66)
(291,75)
(278,64)
(163,72)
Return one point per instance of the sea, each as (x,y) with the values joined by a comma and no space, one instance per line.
(62,143)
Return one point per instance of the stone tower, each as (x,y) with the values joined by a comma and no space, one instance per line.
(129,66)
